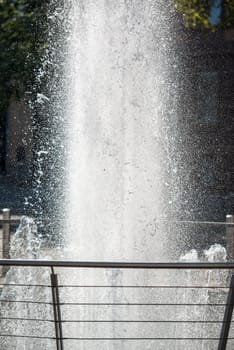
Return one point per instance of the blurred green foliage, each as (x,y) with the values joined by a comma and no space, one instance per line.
(197,13)
(22,41)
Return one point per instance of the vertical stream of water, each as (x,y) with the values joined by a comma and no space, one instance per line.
(114,101)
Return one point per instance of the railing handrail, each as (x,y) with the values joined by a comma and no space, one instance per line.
(197,222)
(118,264)
(10,221)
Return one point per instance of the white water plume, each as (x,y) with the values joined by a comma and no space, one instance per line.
(113,98)
(116,111)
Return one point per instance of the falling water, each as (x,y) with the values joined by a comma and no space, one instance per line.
(117,112)
(118,66)
(110,120)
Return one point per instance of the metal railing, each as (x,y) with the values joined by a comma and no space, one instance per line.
(8,223)
(61,303)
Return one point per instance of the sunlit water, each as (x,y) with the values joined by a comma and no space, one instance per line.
(119,70)
(16,317)
(22,285)
(113,121)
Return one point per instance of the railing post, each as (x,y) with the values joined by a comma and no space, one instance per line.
(6,215)
(230,237)
(227,319)
(57,310)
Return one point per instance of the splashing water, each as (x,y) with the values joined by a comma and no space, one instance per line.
(25,244)
(192,255)
(112,147)
(216,253)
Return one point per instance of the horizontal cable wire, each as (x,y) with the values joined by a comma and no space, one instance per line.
(142,304)
(218,223)
(136,339)
(146,287)
(24,285)
(26,336)
(26,302)
(25,319)
(113,304)
(114,338)
(140,321)
(111,321)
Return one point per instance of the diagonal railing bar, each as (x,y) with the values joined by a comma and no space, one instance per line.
(227,319)
(57,311)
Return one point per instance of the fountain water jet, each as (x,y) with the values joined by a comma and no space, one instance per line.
(118,68)
(115,102)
